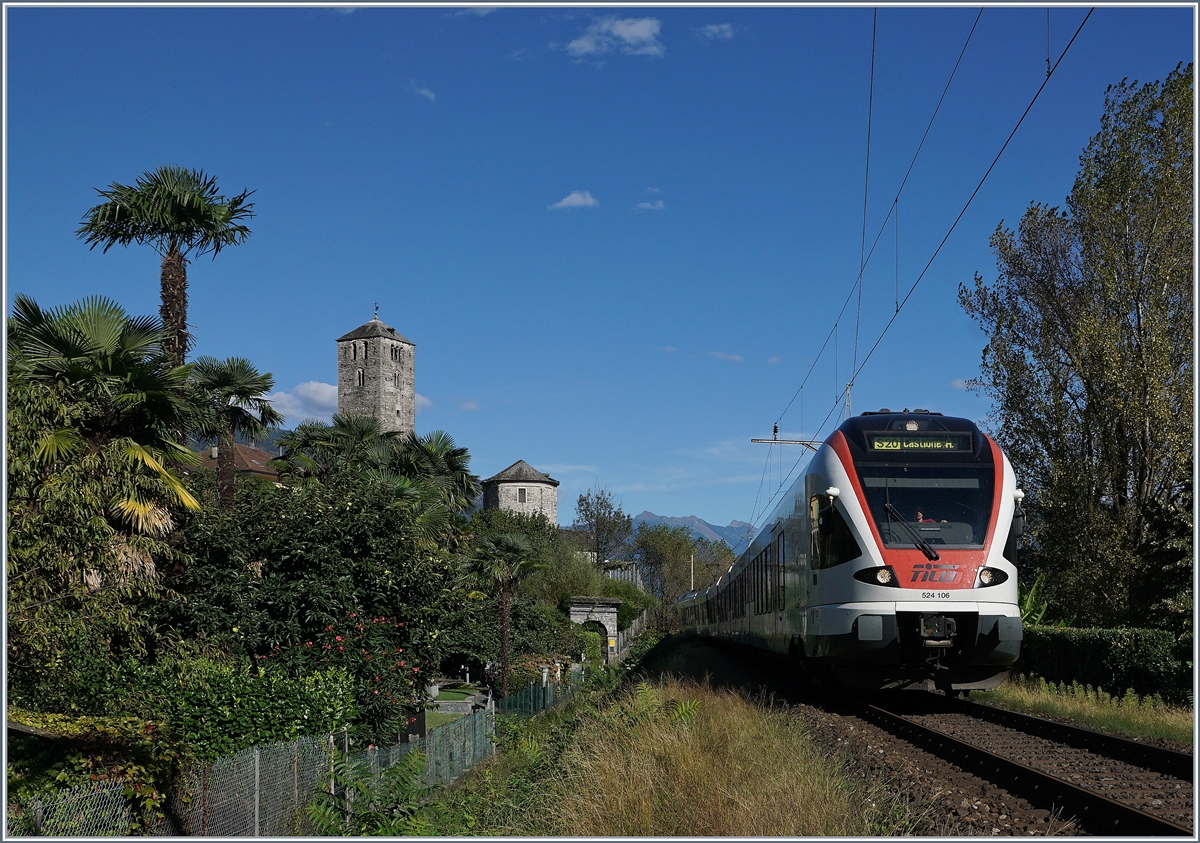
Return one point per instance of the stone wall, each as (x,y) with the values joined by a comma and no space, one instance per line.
(539,498)
(385,367)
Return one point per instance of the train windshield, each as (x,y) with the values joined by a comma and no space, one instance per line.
(945,504)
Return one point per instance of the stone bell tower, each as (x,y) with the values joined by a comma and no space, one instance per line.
(376,377)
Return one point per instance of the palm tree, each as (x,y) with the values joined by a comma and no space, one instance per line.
(435,457)
(126,398)
(178,212)
(233,393)
(500,562)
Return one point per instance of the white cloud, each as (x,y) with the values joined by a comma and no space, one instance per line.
(309,400)
(632,36)
(478,11)
(656,205)
(773,360)
(669,348)
(653,190)
(716,32)
(519,55)
(424,92)
(576,199)
(960,383)
(422,402)
(721,355)
(468,405)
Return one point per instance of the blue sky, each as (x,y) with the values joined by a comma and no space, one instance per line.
(619,237)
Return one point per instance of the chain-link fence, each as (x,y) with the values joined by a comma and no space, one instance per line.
(539,696)
(260,792)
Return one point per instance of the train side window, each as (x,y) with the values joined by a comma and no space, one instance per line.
(832,541)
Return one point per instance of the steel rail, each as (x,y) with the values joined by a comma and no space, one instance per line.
(1033,784)
(1169,762)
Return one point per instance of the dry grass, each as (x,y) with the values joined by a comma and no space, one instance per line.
(679,758)
(1129,715)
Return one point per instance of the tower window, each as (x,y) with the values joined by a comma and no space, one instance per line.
(360,377)
(520,496)
(396,380)
(354,349)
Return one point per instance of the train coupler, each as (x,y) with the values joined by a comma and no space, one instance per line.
(938,631)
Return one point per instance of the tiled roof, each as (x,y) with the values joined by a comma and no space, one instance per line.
(246,460)
(521,472)
(374,328)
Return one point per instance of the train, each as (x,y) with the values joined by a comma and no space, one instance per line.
(890,563)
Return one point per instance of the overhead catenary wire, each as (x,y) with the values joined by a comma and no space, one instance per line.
(883,226)
(936,251)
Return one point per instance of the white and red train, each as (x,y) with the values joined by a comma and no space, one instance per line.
(888,564)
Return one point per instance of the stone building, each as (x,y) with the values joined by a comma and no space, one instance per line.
(376,376)
(522,488)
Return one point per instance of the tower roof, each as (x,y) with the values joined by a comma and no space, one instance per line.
(374,328)
(521,472)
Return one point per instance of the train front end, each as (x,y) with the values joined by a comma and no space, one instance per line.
(914,518)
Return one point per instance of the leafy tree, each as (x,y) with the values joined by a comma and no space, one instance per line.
(317,576)
(498,564)
(664,555)
(713,558)
(91,405)
(233,392)
(178,212)
(607,526)
(1089,357)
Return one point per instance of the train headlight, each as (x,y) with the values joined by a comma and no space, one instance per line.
(991,576)
(877,576)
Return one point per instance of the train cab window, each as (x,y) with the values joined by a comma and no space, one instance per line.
(947,504)
(832,541)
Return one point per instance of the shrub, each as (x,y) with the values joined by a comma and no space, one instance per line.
(1112,659)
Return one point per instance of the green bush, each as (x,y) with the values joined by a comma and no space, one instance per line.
(592,643)
(1112,659)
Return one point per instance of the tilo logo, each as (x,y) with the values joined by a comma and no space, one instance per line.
(934,573)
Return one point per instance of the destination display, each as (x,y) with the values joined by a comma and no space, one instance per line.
(918,444)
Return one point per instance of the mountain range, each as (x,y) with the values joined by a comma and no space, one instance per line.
(737,535)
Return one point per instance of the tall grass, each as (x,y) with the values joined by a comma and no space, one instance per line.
(684,759)
(1129,714)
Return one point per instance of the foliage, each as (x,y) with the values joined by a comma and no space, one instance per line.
(606,525)
(293,574)
(366,805)
(429,471)
(233,394)
(497,565)
(1033,607)
(1112,659)
(91,498)
(144,755)
(664,555)
(178,212)
(1089,361)
(593,644)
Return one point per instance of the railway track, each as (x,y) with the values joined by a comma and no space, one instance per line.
(1111,786)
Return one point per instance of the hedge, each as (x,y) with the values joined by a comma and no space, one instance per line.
(1113,659)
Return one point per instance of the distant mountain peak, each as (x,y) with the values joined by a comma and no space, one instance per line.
(737,535)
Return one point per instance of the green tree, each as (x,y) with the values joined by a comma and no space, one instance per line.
(497,565)
(606,525)
(178,212)
(92,403)
(233,393)
(1089,357)
(664,555)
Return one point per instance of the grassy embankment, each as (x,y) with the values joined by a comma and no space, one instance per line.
(1128,715)
(672,758)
